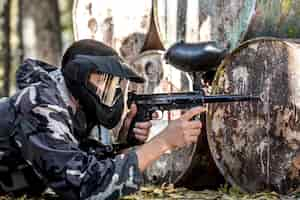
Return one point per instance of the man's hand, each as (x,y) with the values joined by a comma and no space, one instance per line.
(183,131)
(179,133)
(141,129)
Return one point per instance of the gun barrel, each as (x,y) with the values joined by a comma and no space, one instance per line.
(228,98)
(187,99)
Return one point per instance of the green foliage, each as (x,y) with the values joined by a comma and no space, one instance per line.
(286,6)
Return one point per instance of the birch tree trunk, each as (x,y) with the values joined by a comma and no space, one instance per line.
(181,20)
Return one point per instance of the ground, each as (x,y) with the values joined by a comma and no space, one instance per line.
(169,192)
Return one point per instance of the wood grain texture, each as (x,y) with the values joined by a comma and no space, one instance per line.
(256,144)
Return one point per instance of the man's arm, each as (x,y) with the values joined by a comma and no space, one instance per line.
(179,133)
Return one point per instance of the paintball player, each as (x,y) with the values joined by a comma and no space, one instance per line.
(45,128)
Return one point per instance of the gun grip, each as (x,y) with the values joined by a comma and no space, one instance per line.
(141,116)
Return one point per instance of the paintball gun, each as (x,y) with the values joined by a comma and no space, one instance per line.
(147,104)
(187,57)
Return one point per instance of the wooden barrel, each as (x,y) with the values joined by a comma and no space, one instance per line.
(227,21)
(192,166)
(122,25)
(256,145)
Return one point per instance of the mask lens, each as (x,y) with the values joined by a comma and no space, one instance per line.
(109,88)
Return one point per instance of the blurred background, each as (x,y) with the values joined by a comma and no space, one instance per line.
(141,31)
(32,28)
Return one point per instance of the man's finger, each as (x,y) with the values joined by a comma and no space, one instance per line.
(141,138)
(194,124)
(192,112)
(133,111)
(193,138)
(142,132)
(194,132)
(130,115)
(143,125)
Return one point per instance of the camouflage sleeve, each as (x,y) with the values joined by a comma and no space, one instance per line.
(48,145)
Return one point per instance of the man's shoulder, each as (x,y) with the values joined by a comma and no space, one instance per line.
(35,95)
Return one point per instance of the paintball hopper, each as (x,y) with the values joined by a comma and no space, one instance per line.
(195,57)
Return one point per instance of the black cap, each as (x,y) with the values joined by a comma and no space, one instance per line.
(111,65)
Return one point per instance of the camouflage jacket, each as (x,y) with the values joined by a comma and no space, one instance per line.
(47,142)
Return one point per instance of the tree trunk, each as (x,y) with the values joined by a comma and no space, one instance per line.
(181,20)
(20,30)
(46,39)
(276,18)
(6,47)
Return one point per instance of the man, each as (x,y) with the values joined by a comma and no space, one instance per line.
(44,137)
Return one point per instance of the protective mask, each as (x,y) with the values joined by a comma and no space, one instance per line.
(105,106)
